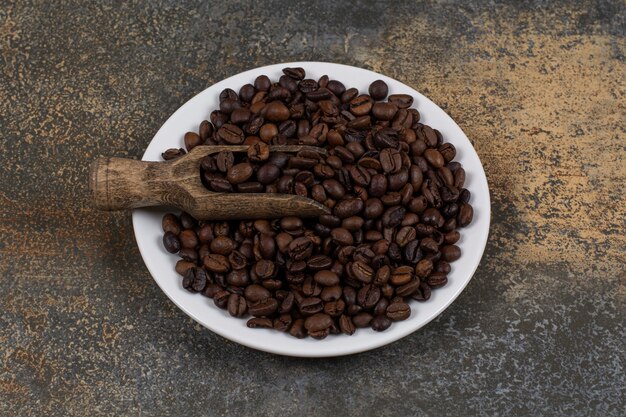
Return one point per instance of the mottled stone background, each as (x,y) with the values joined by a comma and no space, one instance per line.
(538,87)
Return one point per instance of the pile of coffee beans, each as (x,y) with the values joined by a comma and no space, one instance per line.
(396,197)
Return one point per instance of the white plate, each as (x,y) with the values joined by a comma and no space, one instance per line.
(147,223)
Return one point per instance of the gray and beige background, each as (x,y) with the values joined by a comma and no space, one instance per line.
(538,86)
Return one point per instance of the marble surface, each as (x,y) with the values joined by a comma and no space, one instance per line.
(539,88)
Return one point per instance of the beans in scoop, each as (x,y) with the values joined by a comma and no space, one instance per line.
(396,196)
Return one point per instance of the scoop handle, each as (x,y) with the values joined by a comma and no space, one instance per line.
(120,183)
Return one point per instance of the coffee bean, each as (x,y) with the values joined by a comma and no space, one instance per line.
(401,275)
(259,323)
(386,138)
(264,307)
(300,248)
(346,325)
(348,207)
(326,278)
(437,280)
(465,216)
(362,272)
(220,299)
(297,73)
(405,235)
(171,242)
(331,293)
(378,90)
(360,175)
(450,253)
(362,320)
(368,296)
(342,236)
(276,111)
(398,311)
(381,323)
(408,288)
(311,305)
(402,101)
(239,173)
(173,153)
(317,322)
(393,216)
(237,306)
(361,105)
(230,134)
(433,217)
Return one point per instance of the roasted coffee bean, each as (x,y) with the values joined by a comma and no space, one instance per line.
(373,208)
(361,105)
(267,132)
(222,245)
(300,248)
(237,306)
(423,293)
(368,296)
(326,278)
(401,275)
(238,278)
(412,252)
(221,298)
(378,185)
(346,325)
(452,237)
(362,320)
(362,272)
(265,269)
(437,280)
(311,305)
(173,153)
(450,253)
(195,279)
(433,217)
(264,307)
(170,223)
(230,134)
(381,323)
(378,90)
(225,160)
(276,111)
(255,293)
(393,216)
(216,263)
(171,242)
(192,139)
(360,175)
(297,73)
(334,188)
(262,82)
(405,235)
(260,323)
(331,293)
(386,138)
(297,329)
(423,268)
(348,207)
(283,322)
(402,101)
(398,311)
(408,288)
(465,216)
(334,308)
(342,236)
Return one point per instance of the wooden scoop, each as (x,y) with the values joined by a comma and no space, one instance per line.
(119,183)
